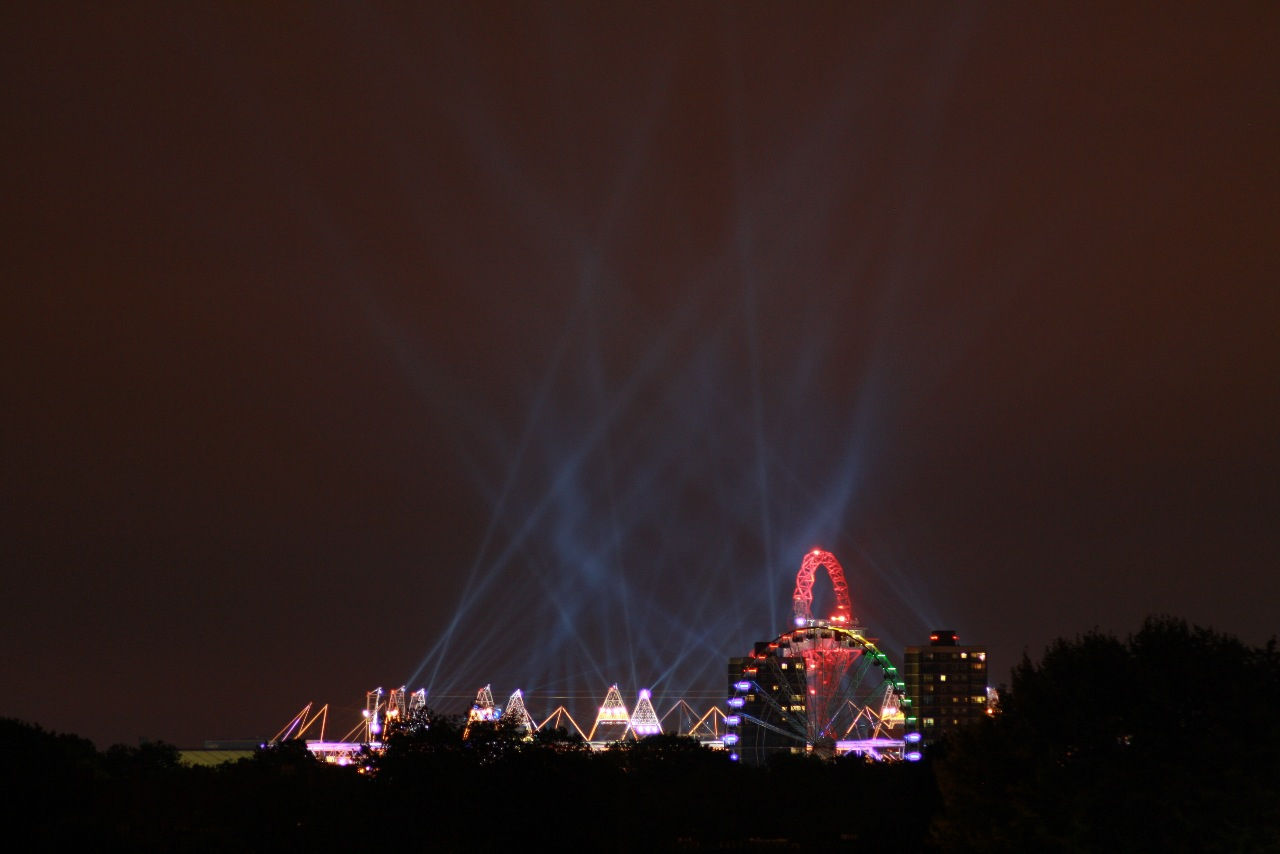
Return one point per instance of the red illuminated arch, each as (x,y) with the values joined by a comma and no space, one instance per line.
(803,598)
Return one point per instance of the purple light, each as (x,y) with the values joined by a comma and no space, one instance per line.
(736,702)
(913,756)
(743,685)
(912,737)
(732,720)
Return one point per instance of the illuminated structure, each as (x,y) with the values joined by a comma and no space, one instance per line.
(517,715)
(821,686)
(558,720)
(644,720)
(709,728)
(417,701)
(373,711)
(301,722)
(482,709)
(947,682)
(397,705)
(613,720)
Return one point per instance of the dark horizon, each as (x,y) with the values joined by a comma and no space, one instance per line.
(535,344)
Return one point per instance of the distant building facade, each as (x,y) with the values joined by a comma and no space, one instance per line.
(763,723)
(947,682)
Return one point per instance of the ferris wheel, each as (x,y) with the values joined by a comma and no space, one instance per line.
(822,685)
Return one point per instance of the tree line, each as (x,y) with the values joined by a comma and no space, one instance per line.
(1163,741)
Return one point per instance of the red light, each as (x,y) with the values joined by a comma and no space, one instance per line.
(802,600)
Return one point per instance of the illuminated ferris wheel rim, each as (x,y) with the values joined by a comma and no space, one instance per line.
(811,636)
(862,700)
(819,637)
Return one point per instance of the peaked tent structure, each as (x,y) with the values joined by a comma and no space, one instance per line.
(517,715)
(644,721)
(612,721)
(482,709)
(711,726)
(558,719)
(680,718)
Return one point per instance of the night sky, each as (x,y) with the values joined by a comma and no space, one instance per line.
(533,344)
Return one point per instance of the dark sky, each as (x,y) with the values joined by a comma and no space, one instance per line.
(534,344)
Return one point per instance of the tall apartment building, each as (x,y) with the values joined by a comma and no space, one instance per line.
(778,702)
(947,681)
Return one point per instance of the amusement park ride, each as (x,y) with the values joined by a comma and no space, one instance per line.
(821,686)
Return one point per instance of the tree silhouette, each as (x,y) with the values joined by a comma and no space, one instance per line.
(1166,740)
